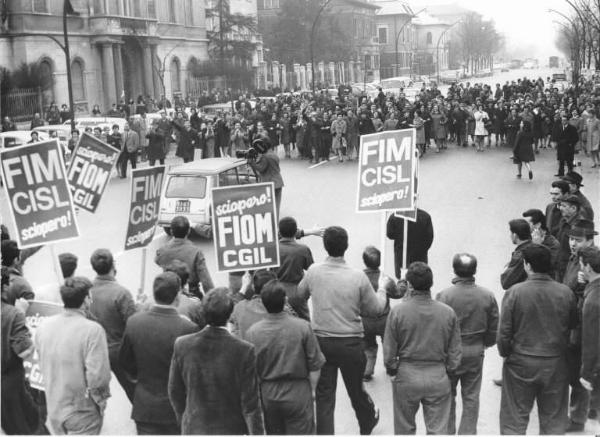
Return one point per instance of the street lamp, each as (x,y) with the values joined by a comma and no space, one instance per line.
(312,37)
(437,48)
(398,35)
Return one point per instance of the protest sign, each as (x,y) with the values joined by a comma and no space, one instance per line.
(34,316)
(245,227)
(412,213)
(89,171)
(146,189)
(386,171)
(35,180)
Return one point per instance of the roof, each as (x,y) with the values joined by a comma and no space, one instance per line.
(393,7)
(207,166)
(445,9)
(424,19)
(360,3)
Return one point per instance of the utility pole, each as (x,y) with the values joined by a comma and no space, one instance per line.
(68,10)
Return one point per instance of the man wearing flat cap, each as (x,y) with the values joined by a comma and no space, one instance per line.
(570,207)
(581,235)
(574,180)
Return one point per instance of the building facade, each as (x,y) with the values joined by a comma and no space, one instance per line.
(119,48)
(357,20)
(396,36)
(431,45)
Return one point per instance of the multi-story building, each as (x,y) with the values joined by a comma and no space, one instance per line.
(396,36)
(431,45)
(119,48)
(356,18)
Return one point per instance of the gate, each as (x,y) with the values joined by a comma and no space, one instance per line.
(21,104)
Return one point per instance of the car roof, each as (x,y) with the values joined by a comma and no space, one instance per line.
(49,127)
(207,166)
(18,134)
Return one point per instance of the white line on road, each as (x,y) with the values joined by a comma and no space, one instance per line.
(319,163)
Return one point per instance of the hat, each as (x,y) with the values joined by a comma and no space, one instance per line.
(572,199)
(582,228)
(573,178)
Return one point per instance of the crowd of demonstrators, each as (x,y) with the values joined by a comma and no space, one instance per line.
(174,355)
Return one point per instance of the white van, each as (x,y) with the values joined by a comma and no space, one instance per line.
(187,190)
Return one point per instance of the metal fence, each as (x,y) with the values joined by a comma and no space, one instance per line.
(21,104)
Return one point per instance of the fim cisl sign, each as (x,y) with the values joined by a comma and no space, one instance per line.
(386,171)
(245,227)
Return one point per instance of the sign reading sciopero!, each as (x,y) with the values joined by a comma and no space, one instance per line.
(386,171)
(36,312)
(40,200)
(245,227)
(146,188)
(89,171)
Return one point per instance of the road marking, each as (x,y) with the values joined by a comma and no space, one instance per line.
(319,163)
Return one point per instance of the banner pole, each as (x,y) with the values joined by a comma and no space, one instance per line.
(143,278)
(382,240)
(56,265)
(404,245)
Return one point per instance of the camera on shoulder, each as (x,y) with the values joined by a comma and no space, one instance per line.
(259,145)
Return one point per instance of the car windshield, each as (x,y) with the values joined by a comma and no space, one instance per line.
(187,187)
(393,84)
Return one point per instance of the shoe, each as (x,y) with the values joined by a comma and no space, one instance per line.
(519,176)
(575,427)
(498,382)
(558,175)
(372,425)
(592,414)
(530,175)
(367,377)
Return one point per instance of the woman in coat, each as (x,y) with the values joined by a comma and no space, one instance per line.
(523,148)
(593,137)
(438,128)
(419,124)
(286,133)
(481,118)
(338,132)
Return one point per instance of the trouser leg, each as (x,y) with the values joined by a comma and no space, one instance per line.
(370,341)
(552,399)
(405,410)
(470,387)
(83,423)
(436,399)
(454,380)
(518,394)
(288,407)
(133,159)
(580,397)
(115,366)
(352,367)
(325,392)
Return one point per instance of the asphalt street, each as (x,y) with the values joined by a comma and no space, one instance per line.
(470,196)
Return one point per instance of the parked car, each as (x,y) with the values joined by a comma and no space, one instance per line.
(187,190)
(17,138)
(83,122)
(393,84)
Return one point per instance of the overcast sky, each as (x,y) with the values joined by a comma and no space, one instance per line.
(526,24)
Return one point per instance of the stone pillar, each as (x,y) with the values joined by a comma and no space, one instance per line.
(309,75)
(321,69)
(118,60)
(296,76)
(275,70)
(332,73)
(303,77)
(351,71)
(108,75)
(158,88)
(284,84)
(342,72)
(263,75)
(147,69)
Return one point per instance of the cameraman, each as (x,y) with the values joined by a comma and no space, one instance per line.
(266,163)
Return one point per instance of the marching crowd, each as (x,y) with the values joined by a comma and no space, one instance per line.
(525,115)
(252,358)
